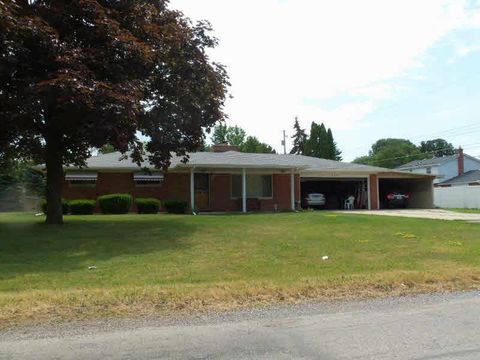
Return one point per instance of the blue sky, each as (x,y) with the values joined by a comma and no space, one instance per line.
(369,69)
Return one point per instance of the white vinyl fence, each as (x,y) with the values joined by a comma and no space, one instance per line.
(463,196)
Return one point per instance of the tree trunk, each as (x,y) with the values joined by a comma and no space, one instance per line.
(54,165)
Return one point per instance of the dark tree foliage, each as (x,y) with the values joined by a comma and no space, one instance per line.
(299,139)
(320,143)
(334,152)
(253,145)
(391,153)
(236,136)
(78,74)
(437,148)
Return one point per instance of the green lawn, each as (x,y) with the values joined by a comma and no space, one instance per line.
(158,263)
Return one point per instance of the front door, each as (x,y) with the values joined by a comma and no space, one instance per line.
(202,191)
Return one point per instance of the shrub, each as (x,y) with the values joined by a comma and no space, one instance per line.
(65,206)
(175,206)
(147,205)
(82,207)
(115,203)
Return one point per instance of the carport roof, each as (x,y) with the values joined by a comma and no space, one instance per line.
(234,159)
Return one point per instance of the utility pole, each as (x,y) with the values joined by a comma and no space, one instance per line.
(284,143)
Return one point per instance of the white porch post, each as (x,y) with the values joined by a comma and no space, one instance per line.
(244,190)
(292,189)
(369,206)
(192,189)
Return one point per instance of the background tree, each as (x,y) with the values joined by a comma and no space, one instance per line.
(391,153)
(320,143)
(334,152)
(76,75)
(299,139)
(235,135)
(253,145)
(17,181)
(219,135)
(107,149)
(437,148)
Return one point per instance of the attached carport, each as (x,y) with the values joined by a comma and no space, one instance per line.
(336,190)
(418,186)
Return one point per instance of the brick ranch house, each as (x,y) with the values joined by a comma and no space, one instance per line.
(225,180)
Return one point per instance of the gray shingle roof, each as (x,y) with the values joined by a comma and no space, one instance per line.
(233,159)
(428,162)
(469,177)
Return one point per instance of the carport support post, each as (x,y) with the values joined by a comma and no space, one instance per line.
(369,198)
(244,190)
(192,189)
(292,189)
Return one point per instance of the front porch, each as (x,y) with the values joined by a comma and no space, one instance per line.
(244,190)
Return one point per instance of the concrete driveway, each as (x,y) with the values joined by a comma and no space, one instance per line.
(438,214)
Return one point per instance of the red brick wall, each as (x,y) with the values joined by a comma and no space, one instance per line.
(177,186)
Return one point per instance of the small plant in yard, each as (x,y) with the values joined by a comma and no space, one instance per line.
(115,203)
(147,205)
(65,206)
(175,206)
(82,207)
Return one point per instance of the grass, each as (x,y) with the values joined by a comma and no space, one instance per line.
(467,211)
(156,264)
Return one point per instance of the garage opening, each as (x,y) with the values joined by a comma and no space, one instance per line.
(336,192)
(419,192)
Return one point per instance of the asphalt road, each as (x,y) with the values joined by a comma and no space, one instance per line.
(425,327)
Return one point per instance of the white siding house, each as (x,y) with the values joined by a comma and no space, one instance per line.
(456,184)
(444,168)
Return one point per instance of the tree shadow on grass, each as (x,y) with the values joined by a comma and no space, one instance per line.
(30,247)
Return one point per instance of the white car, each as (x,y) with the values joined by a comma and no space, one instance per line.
(315,199)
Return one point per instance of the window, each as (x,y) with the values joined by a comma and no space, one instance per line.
(429,170)
(258,186)
(148,179)
(81,179)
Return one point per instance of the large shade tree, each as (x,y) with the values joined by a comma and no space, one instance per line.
(391,153)
(79,74)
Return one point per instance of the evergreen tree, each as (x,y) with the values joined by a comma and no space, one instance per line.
(321,144)
(334,153)
(299,139)
(312,141)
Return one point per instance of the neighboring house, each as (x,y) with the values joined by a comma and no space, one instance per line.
(462,191)
(444,168)
(226,180)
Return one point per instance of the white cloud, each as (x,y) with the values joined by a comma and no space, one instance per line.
(466,50)
(280,52)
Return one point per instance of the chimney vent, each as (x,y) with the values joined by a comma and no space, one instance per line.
(224,147)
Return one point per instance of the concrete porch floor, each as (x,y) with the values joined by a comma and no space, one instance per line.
(438,214)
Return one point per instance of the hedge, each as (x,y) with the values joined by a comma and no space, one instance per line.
(115,203)
(82,207)
(65,206)
(175,206)
(147,205)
